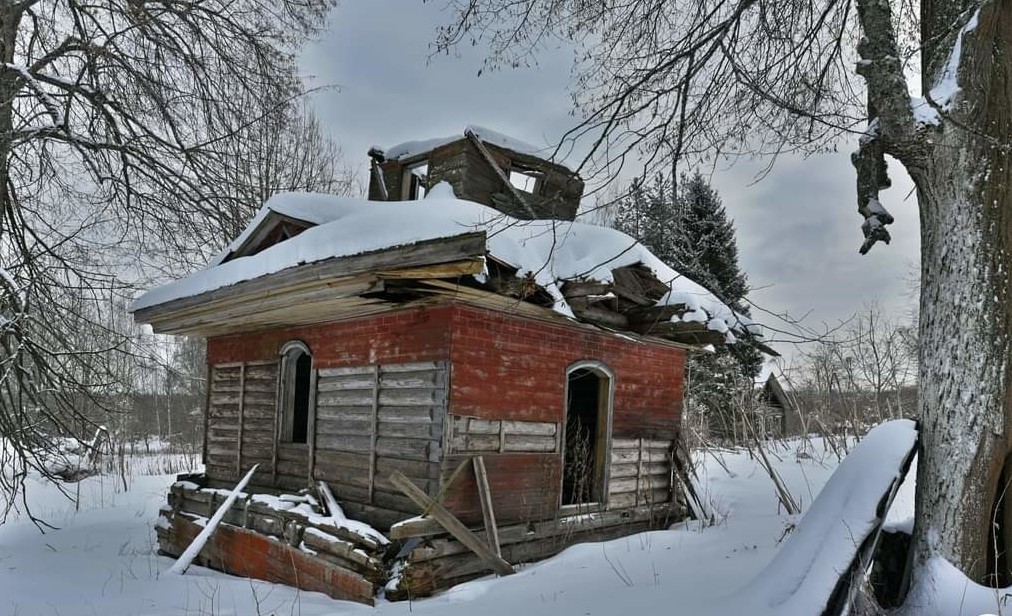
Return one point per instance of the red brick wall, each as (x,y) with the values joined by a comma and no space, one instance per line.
(503,366)
(509,367)
(400,337)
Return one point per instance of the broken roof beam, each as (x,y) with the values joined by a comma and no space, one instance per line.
(490,160)
(638,284)
(597,313)
(684,332)
(572,289)
(644,318)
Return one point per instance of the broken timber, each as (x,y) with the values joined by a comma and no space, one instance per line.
(448,521)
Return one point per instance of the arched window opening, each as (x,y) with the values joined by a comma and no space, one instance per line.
(588,403)
(297,367)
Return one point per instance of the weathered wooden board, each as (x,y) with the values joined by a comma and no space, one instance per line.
(481,436)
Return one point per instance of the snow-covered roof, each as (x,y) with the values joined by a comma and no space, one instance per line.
(409,149)
(549,251)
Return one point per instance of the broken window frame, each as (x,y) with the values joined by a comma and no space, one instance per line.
(295,395)
(414,185)
(521,177)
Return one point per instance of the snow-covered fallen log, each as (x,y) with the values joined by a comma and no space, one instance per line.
(802,578)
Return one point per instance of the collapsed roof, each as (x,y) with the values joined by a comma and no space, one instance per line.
(309,258)
(483,166)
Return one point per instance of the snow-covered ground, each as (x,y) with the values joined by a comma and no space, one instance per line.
(101,559)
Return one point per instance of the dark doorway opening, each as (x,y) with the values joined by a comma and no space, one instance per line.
(586,423)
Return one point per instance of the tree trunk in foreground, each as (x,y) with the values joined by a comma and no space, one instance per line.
(963,180)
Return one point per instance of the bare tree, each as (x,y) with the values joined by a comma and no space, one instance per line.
(285,149)
(664,79)
(109,117)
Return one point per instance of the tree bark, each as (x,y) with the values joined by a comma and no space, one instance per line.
(966,308)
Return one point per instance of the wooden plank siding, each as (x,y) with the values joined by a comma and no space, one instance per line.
(482,436)
(373,420)
(365,423)
(640,472)
(240,419)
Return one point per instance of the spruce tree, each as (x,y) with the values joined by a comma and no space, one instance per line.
(689,230)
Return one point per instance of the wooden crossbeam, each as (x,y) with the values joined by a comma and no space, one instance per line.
(452,525)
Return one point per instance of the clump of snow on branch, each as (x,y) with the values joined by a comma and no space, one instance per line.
(549,251)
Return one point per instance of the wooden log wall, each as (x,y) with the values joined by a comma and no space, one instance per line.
(242,398)
(641,472)
(260,541)
(373,420)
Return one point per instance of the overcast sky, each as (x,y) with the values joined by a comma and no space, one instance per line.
(798,228)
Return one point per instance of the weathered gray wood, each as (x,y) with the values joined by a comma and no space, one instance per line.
(374,430)
(487,511)
(208,375)
(634,484)
(311,427)
(412,367)
(346,371)
(413,469)
(292,452)
(452,524)
(620,471)
(490,160)
(411,414)
(276,436)
(350,397)
(242,391)
(530,427)
(345,443)
(583,288)
(344,476)
(428,431)
(467,443)
(533,443)
(626,456)
(327,458)
(411,449)
(356,425)
(473,425)
(412,397)
(346,382)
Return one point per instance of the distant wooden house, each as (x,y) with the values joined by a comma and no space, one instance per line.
(519,376)
(775,412)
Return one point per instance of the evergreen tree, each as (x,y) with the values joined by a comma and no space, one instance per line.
(714,247)
(689,230)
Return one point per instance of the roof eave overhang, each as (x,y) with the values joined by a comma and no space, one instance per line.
(315,292)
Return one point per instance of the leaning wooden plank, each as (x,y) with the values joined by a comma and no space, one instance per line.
(487,512)
(181,565)
(333,508)
(446,484)
(451,524)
